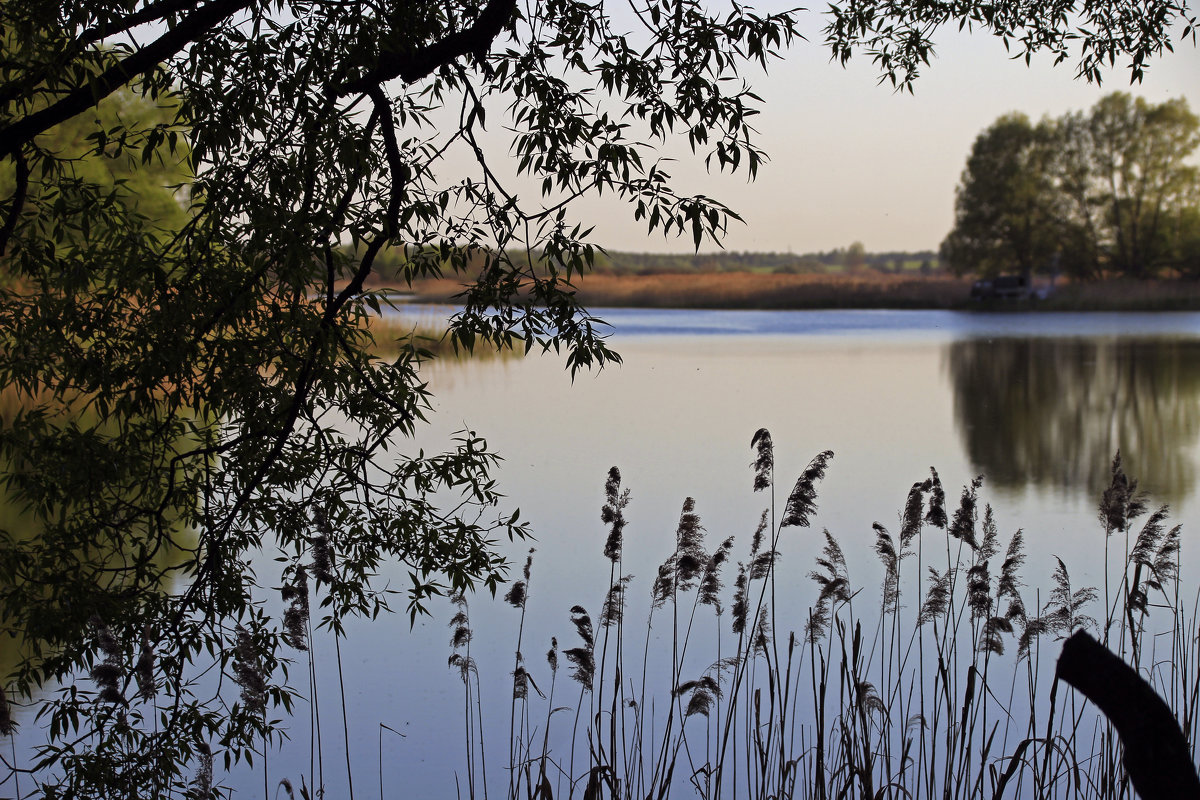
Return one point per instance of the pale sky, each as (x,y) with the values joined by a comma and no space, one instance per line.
(854,161)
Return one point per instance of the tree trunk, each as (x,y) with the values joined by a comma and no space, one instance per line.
(1156,752)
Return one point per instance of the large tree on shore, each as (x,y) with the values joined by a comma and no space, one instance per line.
(1005,217)
(1110,190)
(182,401)
(1142,181)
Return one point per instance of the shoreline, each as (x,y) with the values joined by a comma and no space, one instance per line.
(753,291)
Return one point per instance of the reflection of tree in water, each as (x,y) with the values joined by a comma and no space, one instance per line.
(1051,412)
(97,567)
(16,647)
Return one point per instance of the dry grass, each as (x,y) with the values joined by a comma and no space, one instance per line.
(392,334)
(1124,294)
(750,290)
(863,290)
(428,336)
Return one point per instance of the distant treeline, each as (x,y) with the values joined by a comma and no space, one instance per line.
(390,265)
(853,258)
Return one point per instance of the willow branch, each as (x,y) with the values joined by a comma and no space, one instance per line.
(413,66)
(189,30)
(18,201)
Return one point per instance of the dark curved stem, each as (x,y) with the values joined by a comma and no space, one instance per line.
(1156,751)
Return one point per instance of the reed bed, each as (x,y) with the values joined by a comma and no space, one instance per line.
(866,290)
(427,336)
(1125,294)
(937,683)
(745,290)
(427,333)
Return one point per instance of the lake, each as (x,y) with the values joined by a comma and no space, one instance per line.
(1035,403)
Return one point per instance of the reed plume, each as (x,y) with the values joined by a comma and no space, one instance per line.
(979,588)
(460,639)
(515,596)
(108,673)
(757,539)
(612,514)
(296,616)
(690,557)
(1033,628)
(322,564)
(710,582)
(802,502)
(1165,566)
(989,546)
(937,501)
(664,583)
(248,672)
(583,658)
(762,631)
(701,693)
(741,603)
(910,518)
(520,681)
(963,525)
(1009,583)
(991,639)
(613,609)
(885,548)
(835,587)
(1063,614)
(460,623)
(1152,549)
(937,596)
(200,787)
(764,460)
(143,671)
(869,699)
(761,564)
(7,725)
(1120,503)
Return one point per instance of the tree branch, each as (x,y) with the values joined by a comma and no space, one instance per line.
(18,201)
(189,30)
(1156,751)
(410,67)
(151,13)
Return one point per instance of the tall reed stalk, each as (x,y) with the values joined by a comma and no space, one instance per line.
(942,686)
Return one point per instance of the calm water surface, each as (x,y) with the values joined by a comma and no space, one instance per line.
(1036,403)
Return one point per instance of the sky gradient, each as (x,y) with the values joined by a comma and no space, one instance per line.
(852,160)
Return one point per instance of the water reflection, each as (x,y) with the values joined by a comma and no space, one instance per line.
(1051,412)
(51,591)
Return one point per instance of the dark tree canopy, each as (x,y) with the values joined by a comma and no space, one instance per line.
(1004,206)
(185,391)
(1105,191)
